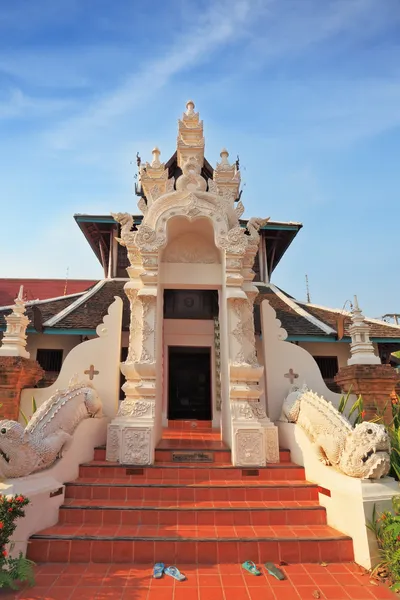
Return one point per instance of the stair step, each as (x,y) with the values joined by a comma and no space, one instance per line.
(254,514)
(189,425)
(204,544)
(173,490)
(198,472)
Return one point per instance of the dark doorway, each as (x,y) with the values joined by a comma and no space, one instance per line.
(189,383)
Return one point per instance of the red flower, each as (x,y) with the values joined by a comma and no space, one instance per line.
(1,525)
(363,414)
(19,498)
(4,552)
(10,510)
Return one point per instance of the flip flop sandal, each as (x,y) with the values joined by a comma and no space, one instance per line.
(274,571)
(158,570)
(175,573)
(251,567)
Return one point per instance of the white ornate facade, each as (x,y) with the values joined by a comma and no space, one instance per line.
(191,237)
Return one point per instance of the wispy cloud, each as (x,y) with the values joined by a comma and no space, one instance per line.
(16,104)
(221,23)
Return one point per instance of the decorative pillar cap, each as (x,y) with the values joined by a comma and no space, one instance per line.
(156,157)
(190,105)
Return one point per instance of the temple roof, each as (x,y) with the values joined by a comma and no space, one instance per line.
(39,289)
(97,229)
(81,313)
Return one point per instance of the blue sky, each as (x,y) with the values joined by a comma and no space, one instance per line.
(307,92)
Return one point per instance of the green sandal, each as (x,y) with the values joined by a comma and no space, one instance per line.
(251,568)
(274,571)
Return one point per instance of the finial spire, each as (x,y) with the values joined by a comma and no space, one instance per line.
(189,107)
(361,348)
(224,157)
(156,157)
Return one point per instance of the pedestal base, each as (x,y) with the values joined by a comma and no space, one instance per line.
(374,383)
(130,442)
(16,373)
(254,437)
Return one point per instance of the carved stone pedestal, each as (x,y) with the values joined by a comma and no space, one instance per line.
(16,373)
(254,436)
(130,442)
(374,383)
(130,436)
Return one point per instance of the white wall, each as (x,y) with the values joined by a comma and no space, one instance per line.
(43,509)
(103,352)
(339,349)
(350,505)
(51,342)
(281,356)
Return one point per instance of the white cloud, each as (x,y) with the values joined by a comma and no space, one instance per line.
(222,23)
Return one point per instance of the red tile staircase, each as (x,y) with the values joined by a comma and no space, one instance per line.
(190,513)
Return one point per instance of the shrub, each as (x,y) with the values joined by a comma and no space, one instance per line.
(386,527)
(16,569)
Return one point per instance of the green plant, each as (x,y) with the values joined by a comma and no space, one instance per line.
(34,409)
(394,433)
(19,568)
(357,408)
(386,528)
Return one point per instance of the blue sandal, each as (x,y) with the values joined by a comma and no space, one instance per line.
(251,567)
(175,573)
(158,570)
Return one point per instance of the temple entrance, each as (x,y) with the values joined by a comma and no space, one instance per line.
(189,393)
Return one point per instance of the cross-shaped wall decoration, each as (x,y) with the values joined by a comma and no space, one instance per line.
(91,372)
(291,376)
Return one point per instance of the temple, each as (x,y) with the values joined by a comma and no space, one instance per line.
(185,388)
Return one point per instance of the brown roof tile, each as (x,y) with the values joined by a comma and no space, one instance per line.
(294,323)
(377,329)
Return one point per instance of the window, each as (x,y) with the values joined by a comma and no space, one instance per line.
(50,360)
(329,366)
(190,304)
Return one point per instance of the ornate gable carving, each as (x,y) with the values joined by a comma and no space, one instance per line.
(190,248)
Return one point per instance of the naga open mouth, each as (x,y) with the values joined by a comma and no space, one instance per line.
(367,456)
(4,455)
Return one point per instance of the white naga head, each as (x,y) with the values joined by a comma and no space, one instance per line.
(367,451)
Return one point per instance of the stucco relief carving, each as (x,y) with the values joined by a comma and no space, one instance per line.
(126,222)
(113,443)
(249,447)
(136,449)
(148,240)
(190,248)
(239,210)
(271,444)
(253,226)
(148,328)
(248,411)
(170,185)
(154,192)
(142,205)
(235,241)
(136,408)
(134,325)
(191,178)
